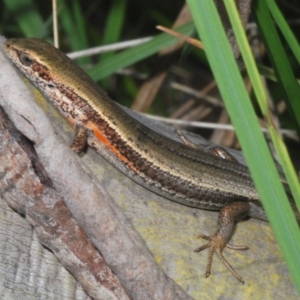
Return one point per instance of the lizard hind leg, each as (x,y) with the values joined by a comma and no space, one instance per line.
(213,150)
(217,242)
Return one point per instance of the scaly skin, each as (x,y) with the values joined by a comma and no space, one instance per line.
(171,169)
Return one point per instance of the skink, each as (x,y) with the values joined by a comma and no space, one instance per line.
(174,170)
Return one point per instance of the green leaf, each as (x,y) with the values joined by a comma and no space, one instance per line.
(133,55)
(255,149)
(27,17)
(247,56)
(262,99)
(113,28)
(285,29)
(72,22)
(279,60)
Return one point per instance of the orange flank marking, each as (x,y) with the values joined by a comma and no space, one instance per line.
(99,135)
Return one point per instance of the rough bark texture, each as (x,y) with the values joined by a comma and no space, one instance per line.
(21,187)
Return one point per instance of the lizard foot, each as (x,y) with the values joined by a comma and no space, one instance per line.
(216,244)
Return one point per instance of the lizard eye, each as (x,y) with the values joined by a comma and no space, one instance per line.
(25,60)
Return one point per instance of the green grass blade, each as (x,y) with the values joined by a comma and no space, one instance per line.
(255,149)
(115,22)
(279,60)
(133,55)
(286,164)
(269,73)
(27,17)
(113,29)
(72,21)
(262,99)
(285,29)
(247,56)
(80,21)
